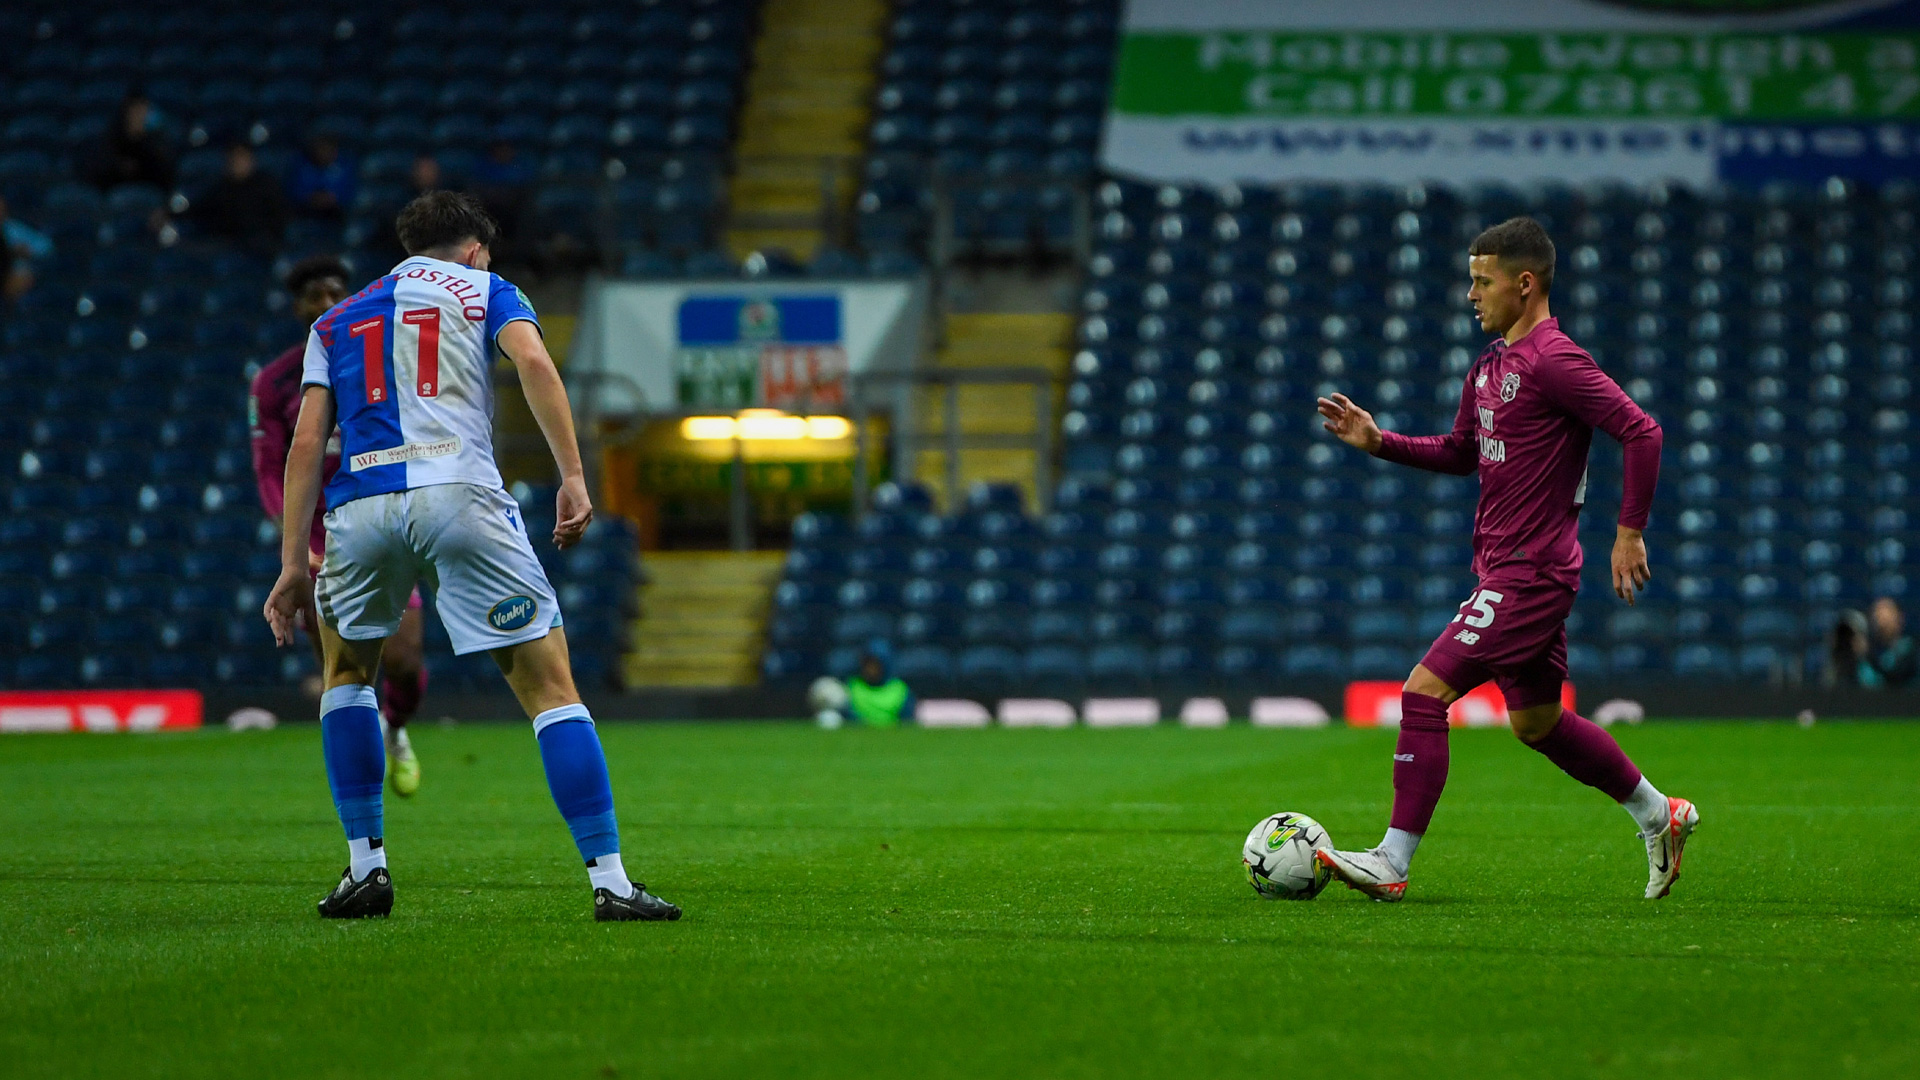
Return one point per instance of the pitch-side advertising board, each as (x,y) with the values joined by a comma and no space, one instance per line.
(1377,704)
(1398,91)
(99,710)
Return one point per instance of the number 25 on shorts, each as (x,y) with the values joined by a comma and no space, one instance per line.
(1482,603)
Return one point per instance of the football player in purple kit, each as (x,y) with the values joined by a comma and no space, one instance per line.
(1526,420)
(273,407)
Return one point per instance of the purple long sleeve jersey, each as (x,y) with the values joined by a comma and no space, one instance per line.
(1526,420)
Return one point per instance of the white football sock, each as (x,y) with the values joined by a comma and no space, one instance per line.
(606,873)
(365,856)
(1398,846)
(1648,807)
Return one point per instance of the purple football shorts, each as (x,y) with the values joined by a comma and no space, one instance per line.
(1512,630)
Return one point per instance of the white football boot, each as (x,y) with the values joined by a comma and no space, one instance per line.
(1370,872)
(1665,847)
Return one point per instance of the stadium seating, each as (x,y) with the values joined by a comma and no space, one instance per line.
(131,548)
(1205,527)
(631,104)
(1000,105)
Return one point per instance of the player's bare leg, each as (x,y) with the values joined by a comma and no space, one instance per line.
(350,736)
(541,677)
(1585,751)
(403,679)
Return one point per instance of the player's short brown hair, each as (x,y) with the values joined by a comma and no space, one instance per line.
(1519,243)
(440,219)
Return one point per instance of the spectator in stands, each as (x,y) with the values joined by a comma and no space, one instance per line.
(1887,657)
(425,176)
(322,184)
(502,183)
(134,151)
(23,244)
(246,206)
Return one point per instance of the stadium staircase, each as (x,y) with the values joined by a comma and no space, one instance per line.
(992,339)
(802,125)
(705,618)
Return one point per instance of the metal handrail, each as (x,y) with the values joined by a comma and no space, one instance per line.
(950,439)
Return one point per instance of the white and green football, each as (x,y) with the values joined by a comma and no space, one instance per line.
(1279,857)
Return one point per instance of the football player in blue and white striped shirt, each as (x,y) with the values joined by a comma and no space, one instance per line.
(404,366)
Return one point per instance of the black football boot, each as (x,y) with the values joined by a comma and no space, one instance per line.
(371,895)
(642,906)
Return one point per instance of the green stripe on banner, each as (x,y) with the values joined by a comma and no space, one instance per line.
(1580,75)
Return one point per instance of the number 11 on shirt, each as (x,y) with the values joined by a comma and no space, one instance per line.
(427,370)
(373,348)
(373,356)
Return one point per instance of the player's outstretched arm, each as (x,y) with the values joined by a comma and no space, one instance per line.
(1450,453)
(1349,423)
(306,458)
(547,397)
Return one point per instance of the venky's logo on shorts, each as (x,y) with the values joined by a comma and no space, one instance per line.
(513,613)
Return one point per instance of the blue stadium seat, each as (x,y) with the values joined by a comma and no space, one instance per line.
(1123,661)
(1051,663)
(989,662)
(1314,660)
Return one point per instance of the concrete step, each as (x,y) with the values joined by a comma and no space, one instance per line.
(703,618)
(1049,327)
(689,678)
(991,408)
(802,243)
(697,651)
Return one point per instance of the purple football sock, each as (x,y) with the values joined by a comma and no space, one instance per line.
(1419,761)
(1585,751)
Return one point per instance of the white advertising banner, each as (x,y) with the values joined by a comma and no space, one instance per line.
(1497,90)
(667,346)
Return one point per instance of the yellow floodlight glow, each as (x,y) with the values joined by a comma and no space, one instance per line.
(707,427)
(768,424)
(764,424)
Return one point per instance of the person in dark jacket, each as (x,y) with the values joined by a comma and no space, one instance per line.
(246,206)
(134,151)
(323,183)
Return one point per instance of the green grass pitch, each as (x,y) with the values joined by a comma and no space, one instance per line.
(958,904)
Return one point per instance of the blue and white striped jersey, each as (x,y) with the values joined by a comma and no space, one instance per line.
(409,361)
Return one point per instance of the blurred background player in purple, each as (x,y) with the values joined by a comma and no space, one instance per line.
(1528,409)
(274,406)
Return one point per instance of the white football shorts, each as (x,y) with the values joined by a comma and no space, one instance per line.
(466,542)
